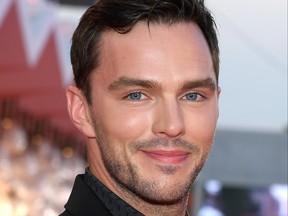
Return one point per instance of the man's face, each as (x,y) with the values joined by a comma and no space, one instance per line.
(154,111)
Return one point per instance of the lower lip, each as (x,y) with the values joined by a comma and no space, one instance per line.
(168,158)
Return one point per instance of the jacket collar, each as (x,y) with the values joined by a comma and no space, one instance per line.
(83,201)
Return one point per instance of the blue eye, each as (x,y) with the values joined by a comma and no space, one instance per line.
(191,96)
(135,96)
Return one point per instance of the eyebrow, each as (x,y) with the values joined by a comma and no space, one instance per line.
(204,83)
(123,81)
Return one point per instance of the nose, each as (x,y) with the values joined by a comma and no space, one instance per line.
(168,119)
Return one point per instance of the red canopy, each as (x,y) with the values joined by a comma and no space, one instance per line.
(37,89)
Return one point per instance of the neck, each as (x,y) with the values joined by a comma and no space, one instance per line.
(150,209)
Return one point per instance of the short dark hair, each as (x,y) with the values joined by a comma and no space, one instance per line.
(121,16)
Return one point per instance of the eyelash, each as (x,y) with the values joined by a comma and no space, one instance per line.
(141,95)
(196,94)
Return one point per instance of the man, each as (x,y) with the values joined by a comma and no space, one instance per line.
(146,97)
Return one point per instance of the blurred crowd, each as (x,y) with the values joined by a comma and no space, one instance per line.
(36,176)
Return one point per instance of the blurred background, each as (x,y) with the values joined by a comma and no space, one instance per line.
(41,152)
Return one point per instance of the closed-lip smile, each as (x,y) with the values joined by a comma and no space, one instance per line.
(167,156)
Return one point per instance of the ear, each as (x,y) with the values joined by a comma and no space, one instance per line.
(218,95)
(218,92)
(79,111)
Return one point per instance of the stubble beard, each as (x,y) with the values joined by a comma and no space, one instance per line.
(127,178)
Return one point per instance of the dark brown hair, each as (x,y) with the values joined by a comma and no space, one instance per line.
(121,16)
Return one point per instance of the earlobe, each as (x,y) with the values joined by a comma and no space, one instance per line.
(79,111)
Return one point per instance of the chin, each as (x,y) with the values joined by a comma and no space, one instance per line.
(168,195)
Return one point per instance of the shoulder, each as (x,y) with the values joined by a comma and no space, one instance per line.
(65,213)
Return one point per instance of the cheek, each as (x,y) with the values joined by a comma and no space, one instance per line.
(125,125)
(202,127)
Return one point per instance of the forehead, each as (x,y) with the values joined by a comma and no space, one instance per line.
(179,51)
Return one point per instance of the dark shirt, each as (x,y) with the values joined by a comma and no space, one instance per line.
(113,203)
(90,196)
